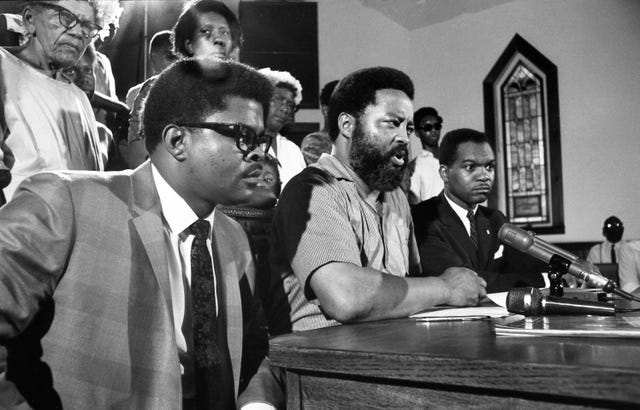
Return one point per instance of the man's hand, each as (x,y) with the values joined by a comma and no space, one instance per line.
(464,285)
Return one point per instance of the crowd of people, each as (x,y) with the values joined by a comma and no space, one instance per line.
(130,288)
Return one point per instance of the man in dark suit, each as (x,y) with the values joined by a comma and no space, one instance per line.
(452,229)
(128,289)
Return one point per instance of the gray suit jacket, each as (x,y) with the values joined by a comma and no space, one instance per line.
(85,300)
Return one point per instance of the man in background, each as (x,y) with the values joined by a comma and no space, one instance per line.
(287,95)
(105,80)
(453,229)
(160,57)
(318,143)
(608,250)
(83,76)
(128,289)
(425,180)
(342,242)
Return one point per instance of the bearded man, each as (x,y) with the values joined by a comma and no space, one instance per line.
(342,240)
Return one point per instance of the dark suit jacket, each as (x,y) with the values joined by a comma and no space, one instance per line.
(444,242)
(85,303)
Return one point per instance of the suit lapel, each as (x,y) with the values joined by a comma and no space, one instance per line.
(227,270)
(148,223)
(457,230)
(484,238)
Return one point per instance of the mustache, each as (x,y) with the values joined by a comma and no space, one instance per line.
(401,151)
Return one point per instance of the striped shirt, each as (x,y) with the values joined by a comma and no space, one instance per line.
(327,214)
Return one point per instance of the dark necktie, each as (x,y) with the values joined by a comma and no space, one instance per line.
(473,231)
(213,378)
(613,254)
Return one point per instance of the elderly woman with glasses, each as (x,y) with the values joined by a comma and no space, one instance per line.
(47,123)
(205,28)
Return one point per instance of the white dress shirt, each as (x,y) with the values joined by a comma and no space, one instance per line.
(425,181)
(462,213)
(178,216)
(290,158)
(601,252)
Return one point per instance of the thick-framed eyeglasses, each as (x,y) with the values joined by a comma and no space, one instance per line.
(69,20)
(430,127)
(246,138)
(279,101)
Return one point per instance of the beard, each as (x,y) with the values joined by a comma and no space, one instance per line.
(374,167)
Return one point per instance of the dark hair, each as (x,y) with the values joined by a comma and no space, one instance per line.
(358,90)
(325,94)
(424,112)
(449,145)
(192,89)
(612,220)
(187,23)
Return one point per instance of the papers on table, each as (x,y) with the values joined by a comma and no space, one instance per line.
(569,326)
(454,313)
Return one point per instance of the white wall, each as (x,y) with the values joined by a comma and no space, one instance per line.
(350,37)
(594,43)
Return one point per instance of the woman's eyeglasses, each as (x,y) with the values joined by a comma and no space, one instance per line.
(246,138)
(279,101)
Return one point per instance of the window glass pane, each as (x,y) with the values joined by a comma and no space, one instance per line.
(525,148)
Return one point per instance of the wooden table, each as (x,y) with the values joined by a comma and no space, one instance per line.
(409,364)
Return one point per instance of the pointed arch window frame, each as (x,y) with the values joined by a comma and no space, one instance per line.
(520,52)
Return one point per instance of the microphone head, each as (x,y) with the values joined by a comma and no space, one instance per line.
(515,237)
(524,301)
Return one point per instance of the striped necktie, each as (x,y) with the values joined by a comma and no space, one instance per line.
(473,231)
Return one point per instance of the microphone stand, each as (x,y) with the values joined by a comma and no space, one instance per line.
(558,266)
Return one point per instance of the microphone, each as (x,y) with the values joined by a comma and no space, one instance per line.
(527,242)
(531,302)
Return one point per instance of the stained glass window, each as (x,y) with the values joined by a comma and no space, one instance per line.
(522,116)
(525,146)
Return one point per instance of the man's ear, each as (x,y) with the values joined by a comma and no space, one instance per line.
(28,19)
(173,141)
(444,174)
(188,46)
(346,124)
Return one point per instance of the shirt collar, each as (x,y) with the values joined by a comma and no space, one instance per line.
(460,211)
(339,170)
(175,210)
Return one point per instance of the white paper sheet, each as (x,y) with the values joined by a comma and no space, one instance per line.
(453,312)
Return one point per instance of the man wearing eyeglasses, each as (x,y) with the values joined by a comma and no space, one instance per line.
(425,181)
(128,289)
(47,123)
